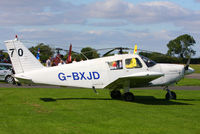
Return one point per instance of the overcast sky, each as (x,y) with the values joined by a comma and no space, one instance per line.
(100,23)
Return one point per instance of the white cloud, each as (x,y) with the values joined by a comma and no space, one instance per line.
(6,32)
(53,12)
(95,32)
(153,41)
(39,20)
(110,23)
(148,12)
(37,12)
(100,39)
(28,30)
(189,25)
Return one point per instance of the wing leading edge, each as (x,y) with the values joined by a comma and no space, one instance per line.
(141,79)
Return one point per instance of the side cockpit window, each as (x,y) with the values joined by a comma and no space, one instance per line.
(115,65)
(133,63)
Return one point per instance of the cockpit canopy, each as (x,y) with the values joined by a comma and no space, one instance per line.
(148,61)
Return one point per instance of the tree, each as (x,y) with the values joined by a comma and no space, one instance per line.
(160,58)
(45,51)
(181,46)
(90,53)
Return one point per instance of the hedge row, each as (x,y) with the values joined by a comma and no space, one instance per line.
(162,58)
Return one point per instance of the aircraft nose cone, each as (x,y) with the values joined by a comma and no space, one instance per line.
(189,71)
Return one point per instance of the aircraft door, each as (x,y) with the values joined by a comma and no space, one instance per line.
(115,69)
(99,75)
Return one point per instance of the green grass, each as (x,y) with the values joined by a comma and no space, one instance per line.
(3,82)
(80,111)
(189,82)
(196,67)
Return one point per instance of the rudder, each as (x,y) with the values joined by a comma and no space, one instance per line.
(22,59)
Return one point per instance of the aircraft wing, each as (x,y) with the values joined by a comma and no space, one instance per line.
(141,79)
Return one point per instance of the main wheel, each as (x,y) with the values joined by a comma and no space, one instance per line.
(129,96)
(167,96)
(115,94)
(9,79)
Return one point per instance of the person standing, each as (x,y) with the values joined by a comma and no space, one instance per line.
(48,62)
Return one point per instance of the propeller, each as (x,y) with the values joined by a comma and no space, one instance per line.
(58,50)
(187,64)
(187,69)
(121,50)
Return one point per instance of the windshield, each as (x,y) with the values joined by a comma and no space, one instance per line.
(147,61)
(5,67)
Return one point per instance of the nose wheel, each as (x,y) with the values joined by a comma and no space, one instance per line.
(170,94)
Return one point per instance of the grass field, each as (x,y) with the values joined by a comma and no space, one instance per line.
(189,82)
(196,67)
(80,111)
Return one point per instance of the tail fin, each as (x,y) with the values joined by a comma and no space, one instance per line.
(69,58)
(22,59)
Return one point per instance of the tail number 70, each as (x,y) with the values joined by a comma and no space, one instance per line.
(20,52)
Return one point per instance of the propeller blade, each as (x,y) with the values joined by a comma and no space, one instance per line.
(187,64)
(117,48)
(109,52)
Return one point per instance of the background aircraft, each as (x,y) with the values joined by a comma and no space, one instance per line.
(56,60)
(120,71)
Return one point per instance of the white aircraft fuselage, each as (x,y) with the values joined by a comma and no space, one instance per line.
(96,73)
(114,72)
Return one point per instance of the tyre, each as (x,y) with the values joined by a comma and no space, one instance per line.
(18,84)
(9,79)
(115,94)
(129,96)
(167,96)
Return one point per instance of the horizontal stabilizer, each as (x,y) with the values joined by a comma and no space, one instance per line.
(23,79)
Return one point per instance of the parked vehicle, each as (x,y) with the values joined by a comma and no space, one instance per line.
(6,73)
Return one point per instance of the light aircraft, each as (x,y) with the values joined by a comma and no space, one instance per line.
(120,71)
